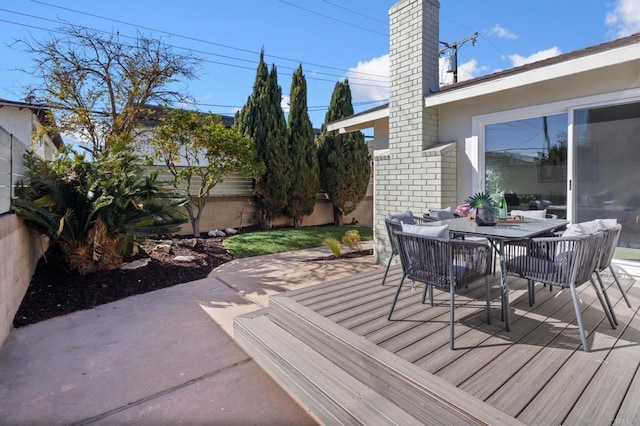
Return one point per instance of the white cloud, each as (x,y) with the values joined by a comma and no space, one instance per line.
(501,32)
(624,19)
(517,60)
(370,80)
(284,103)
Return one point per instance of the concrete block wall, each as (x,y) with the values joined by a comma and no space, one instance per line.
(20,250)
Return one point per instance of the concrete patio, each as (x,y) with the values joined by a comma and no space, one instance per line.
(164,357)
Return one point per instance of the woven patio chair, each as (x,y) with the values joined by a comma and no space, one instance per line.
(445,264)
(394,222)
(609,244)
(565,262)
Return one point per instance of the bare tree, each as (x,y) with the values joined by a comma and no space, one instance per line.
(99,85)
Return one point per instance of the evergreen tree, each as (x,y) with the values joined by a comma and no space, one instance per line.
(263,120)
(302,152)
(344,161)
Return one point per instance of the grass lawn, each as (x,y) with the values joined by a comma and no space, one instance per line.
(281,240)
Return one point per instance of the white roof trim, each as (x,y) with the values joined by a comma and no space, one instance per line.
(536,75)
(358,122)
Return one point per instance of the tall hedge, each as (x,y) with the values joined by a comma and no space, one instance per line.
(344,160)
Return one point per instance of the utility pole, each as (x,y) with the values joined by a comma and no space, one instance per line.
(454,47)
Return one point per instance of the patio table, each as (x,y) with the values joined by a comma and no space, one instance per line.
(497,235)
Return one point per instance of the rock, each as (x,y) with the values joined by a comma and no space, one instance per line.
(216,233)
(136,264)
(231,231)
(184,258)
(189,242)
(163,247)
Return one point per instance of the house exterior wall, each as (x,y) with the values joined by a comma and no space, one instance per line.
(456,117)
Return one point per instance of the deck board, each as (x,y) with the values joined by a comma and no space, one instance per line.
(601,406)
(537,372)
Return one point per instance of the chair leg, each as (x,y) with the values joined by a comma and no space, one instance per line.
(606,306)
(624,294)
(532,292)
(431,294)
(386,271)
(488,289)
(451,314)
(606,296)
(424,293)
(395,299)
(576,306)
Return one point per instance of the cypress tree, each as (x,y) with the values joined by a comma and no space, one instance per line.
(302,152)
(263,120)
(344,161)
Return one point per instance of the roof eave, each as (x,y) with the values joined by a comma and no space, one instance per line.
(531,76)
(359,121)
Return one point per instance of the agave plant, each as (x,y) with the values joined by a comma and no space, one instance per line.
(483,200)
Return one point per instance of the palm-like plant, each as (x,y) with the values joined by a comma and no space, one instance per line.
(483,200)
(94,210)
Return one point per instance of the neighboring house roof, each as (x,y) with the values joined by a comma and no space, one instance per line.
(41,113)
(593,57)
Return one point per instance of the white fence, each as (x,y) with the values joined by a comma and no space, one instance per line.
(12,169)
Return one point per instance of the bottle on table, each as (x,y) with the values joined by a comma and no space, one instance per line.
(502,207)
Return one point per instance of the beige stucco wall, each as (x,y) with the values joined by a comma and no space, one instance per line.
(20,249)
(456,117)
(225,212)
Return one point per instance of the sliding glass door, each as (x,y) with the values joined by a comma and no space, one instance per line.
(582,168)
(607,170)
(527,160)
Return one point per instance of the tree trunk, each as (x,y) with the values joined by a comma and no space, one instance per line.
(336,215)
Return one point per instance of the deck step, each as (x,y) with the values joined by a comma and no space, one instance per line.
(327,392)
(341,378)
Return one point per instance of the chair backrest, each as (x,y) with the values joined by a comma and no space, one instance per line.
(437,261)
(393,226)
(425,259)
(575,258)
(609,244)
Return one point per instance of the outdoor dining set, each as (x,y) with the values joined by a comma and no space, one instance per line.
(449,253)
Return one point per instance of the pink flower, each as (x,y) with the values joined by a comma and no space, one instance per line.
(463,209)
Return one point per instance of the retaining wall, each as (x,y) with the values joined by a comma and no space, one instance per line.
(20,249)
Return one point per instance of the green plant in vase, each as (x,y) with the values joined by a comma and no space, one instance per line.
(486,208)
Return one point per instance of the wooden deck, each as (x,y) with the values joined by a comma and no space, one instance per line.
(535,374)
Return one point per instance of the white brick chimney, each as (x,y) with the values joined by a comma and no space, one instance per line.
(413,57)
(418,173)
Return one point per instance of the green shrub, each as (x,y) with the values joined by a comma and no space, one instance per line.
(351,239)
(334,245)
(94,209)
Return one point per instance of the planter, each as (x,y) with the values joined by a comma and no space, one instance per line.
(484,217)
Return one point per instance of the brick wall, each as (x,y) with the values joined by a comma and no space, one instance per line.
(419,172)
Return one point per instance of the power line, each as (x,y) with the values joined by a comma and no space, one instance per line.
(356,13)
(333,19)
(193,50)
(195,39)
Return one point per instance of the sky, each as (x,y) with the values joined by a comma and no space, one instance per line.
(332,39)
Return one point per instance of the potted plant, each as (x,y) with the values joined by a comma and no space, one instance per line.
(486,208)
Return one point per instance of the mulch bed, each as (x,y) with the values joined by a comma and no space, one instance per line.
(54,291)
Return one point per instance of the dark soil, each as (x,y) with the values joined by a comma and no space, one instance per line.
(54,291)
(348,255)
